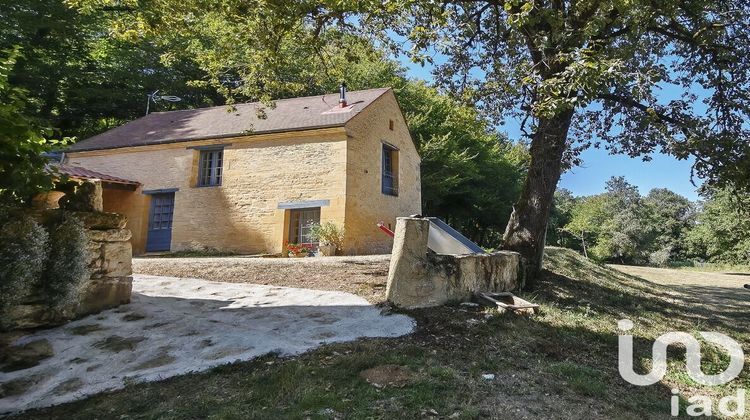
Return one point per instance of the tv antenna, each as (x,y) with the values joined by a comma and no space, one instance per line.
(155,97)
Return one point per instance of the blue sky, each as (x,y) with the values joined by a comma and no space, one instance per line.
(661,172)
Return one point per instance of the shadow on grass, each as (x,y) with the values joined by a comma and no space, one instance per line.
(577,282)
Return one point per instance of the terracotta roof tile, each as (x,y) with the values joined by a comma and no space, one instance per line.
(83,173)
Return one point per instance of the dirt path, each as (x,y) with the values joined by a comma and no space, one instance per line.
(362,275)
(721,294)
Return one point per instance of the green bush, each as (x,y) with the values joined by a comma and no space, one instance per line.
(67,266)
(23,251)
(328,233)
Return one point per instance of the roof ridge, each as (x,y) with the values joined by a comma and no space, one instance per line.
(273,100)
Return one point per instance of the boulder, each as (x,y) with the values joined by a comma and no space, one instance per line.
(101,220)
(86,197)
(117,259)
(110,235)
(103,293)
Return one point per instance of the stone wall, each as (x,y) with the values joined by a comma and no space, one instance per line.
(242,214)
(110,263)
(366,204)
(419,278)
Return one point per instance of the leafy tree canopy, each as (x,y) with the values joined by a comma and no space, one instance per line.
(622,226)
(80,79)
(23,142)
(722,233)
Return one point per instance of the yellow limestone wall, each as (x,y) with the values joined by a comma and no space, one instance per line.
(366,205)
(342,165)
(241,215)
(135,206)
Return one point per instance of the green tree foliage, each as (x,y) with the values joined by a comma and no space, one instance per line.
(671,218)
(81,79)
(722,233)
(594,69)
(622,226)
(23,140)
(589,219)
(470,173)
(560,216)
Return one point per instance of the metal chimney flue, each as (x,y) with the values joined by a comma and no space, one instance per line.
(342,95)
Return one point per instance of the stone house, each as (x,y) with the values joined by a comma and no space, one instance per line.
(250,178)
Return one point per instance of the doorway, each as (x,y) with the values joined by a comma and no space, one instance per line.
(160,222)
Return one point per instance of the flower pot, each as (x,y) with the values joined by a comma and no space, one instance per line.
(327,250)
(299,255)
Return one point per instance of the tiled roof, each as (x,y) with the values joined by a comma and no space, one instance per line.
(83,173)
(230,121)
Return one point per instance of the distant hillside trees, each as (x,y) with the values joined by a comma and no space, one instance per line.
(660,228)
(722,231)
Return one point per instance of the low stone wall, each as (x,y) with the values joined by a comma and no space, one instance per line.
(110,262)
(419,278)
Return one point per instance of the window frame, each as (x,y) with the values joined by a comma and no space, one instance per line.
(214,158)
(389,158)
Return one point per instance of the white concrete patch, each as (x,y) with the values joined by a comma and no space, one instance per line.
(189,325)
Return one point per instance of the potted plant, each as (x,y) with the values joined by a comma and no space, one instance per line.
(330,236)
(298,250)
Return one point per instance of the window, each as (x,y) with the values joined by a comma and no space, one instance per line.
(390,170)
(210,168)
(301,222)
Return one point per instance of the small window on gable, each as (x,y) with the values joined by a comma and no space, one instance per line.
(390,170)
(210,167)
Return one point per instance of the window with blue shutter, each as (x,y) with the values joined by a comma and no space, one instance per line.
(210,168)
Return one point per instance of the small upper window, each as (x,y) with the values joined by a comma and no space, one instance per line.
(210,168)
(390,170)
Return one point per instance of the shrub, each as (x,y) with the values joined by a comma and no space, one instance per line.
(23,250)
(328,233)
(660,258)
(67,266)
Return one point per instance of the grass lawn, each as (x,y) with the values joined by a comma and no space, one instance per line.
(561,363)
(718,268)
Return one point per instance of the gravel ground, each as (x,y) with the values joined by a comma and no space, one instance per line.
(361,275)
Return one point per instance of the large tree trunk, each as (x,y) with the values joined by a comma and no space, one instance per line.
(528,223)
